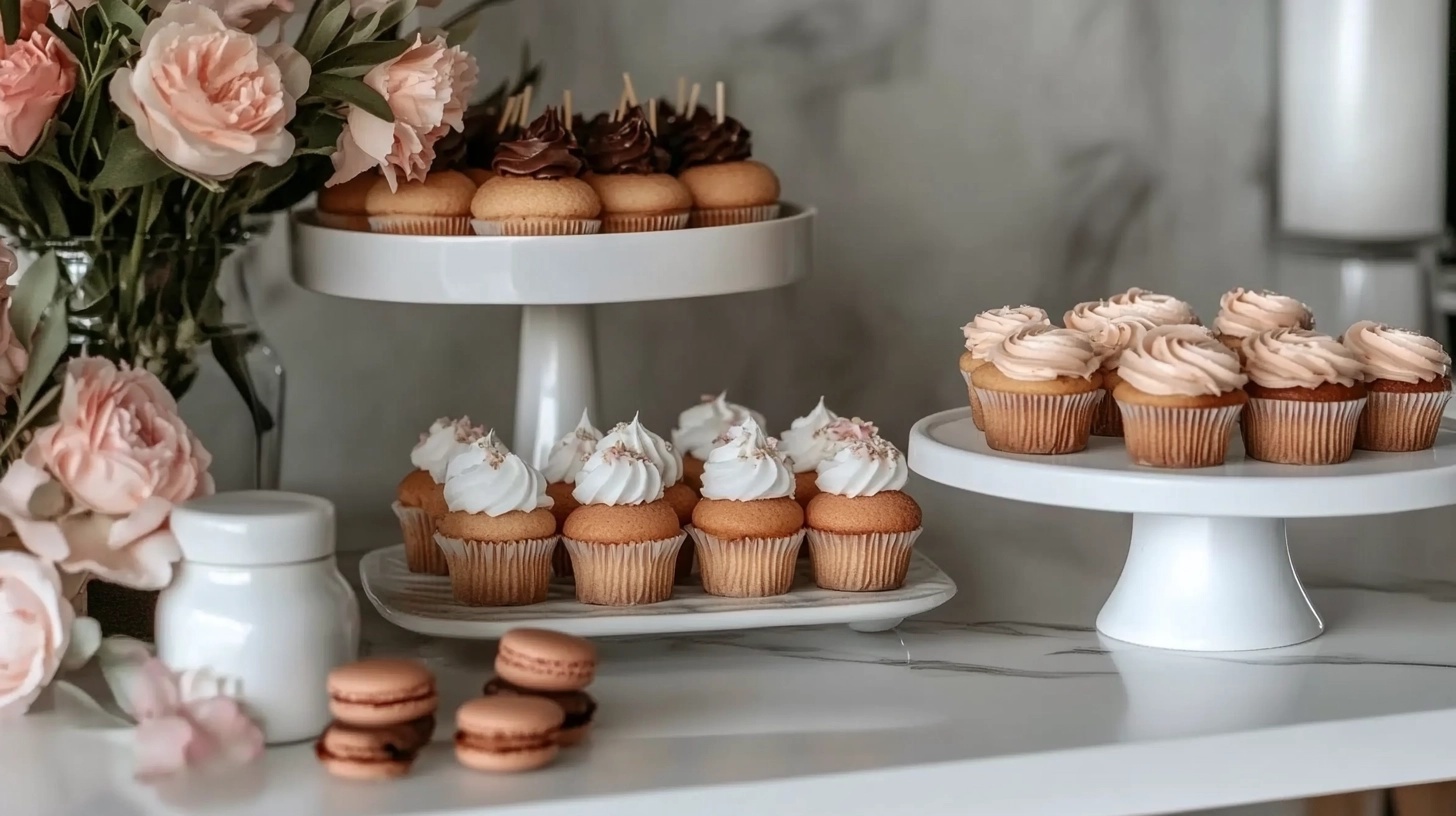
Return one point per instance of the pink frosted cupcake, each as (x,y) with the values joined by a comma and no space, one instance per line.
(1409,380)
(1162,310)
(1040,392)
(1180,394)
(420,497)
(1111,337)
(985,331)
(1243,313)
(1306,392)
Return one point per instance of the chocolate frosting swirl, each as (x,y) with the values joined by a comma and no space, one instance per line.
(625,146)
(704,141)
(545,151)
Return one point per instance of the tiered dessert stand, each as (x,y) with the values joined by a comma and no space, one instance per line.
(1209,566)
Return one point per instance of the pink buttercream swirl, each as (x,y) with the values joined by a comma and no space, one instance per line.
(991,327)
(1041,353)
(1242,312)
(1111,337)
(1180,360)
(1299,358)
(1396,354)
(1163,310)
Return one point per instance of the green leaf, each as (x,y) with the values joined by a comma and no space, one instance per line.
(392,15)
(119,13)
(33,295)
(318,35)
(43,189)
(129,164)
(10,200)
(352,91)
(50,344)
(468,12)
(363,55)
(10,16)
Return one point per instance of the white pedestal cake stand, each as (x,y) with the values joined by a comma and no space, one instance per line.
(1209,567)
(556,279)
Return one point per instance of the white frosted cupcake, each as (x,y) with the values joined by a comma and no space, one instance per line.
(805,444)
(499,533)
(562,464)
(1243,313)
(1111,337)
(1180,394)
(1306,392)
(420,497)
(636,437)
(983,333)
(1040,392)
(698,429)
(747,526)
(1409,380)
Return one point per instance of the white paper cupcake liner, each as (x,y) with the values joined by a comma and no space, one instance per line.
(1108,419)
(861,562)
(747,567)
(643,222)
(420,224)
(536,227)
(624,574)
(421,553)
(1401,422)
(1167,437)
(498,573)
(353,223)
(1038,423)
(977,416)
(728,216)
(1293,432)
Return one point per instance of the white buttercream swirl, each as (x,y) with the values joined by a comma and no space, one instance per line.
(571,452)
(989,327)
(635,436)
(699,427)
(487,478)
(437,446)
(747,467)
(805,443)
(863,467)
(617,475)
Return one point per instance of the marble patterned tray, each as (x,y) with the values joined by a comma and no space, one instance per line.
(422,603)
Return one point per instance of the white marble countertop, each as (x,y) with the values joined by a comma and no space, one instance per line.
(938,717)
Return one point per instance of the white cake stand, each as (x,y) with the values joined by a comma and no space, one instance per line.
(1209,567)
(556,280)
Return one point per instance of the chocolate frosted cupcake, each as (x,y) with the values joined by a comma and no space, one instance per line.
(984,332)
(536,189)
(628,175)
(727,186)
(1306,392)
(1180,392)
(1243,313)
(1409,380)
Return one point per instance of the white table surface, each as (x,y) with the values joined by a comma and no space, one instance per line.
(938,717)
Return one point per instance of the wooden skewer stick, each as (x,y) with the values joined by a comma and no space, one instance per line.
(566,108)
(507,115)
(693,100)
(526,107)
(621,106)
(682,95)
(720,101)
(631,92)
(652,115)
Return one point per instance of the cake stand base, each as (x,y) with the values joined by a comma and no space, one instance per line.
(1209,584)
(556,378)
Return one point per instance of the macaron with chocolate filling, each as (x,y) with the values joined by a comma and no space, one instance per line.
(505,734)
(373,752)
(381,692)
(546,660)
(579,707)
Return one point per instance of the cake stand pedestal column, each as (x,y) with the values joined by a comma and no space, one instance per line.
(556,378)
(1208,584)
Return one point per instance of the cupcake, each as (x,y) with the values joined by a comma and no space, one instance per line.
(536,189)
(1306,392)
(562,464)
(1243,313)
(747,527)
(439,205)
(726,185)
(1408,377)
(861,524)
(675,491)
(629,176)
(499,533)
(805,444)
(1040,392)
(624,537)
(342,205)
(1162,310)
(1111,337)
(699,427)
(986,330)
(1180,392)
(420,497)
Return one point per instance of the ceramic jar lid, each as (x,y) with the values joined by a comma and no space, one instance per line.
(255,528)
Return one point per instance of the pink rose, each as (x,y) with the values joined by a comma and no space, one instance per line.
(35,629)
(36,75)
(206,97)
(427,88)
(174,732)
(251,16)
(13,357)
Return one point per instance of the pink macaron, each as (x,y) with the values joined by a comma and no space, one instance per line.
(506,734)
(546,661)
(378,752)
(381,692)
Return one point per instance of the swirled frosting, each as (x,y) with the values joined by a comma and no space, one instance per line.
(1039,353)
(747,467)
(1180,360)
(863,467)
(704,141)
(625,146)
(1299,358)
(571,452)
(547,150)
(1242,312)
(487,478)
(806,442)
(1112,336)
(617,475)
(991,327)
(699,427)
(437,446)
(1161,309)
(635,437)
(1396,354)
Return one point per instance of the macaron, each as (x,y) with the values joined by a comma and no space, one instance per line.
(578,706)
(381,692)
(380,752)
(543,660)
(507,734)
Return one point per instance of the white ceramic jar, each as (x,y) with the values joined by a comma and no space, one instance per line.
(258,597)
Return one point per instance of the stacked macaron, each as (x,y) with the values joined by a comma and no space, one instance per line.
(384,713)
